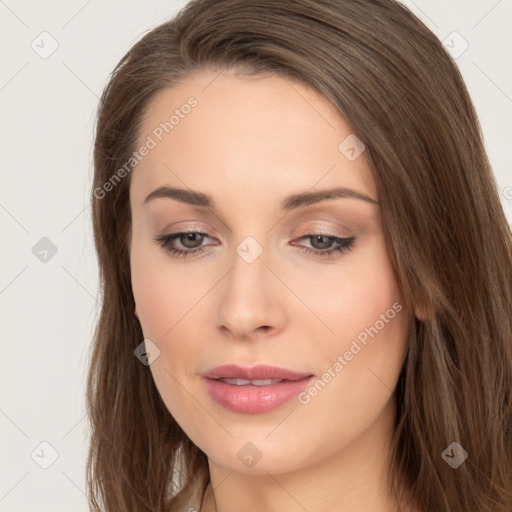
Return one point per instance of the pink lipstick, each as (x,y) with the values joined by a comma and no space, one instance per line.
(254,389)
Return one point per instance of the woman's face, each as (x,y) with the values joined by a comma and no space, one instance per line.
(265,151)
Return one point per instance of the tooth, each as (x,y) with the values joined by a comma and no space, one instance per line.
(265,382)
(235,382)
(245,382)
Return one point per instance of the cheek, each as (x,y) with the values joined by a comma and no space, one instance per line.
(352,294)
(378,322)
(154,300)
(162,297)
(363,358)
(167,300)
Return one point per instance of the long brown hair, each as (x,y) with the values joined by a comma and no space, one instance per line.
(445,228)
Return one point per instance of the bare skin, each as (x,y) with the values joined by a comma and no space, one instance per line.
(249,143)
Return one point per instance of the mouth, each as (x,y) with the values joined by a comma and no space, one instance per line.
(253,390)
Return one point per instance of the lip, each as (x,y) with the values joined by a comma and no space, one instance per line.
(260,371)
(252,399)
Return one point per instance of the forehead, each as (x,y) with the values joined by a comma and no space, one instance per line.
(220,133)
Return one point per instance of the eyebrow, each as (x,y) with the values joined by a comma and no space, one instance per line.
(291,202)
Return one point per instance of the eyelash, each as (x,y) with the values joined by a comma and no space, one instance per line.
(346,244)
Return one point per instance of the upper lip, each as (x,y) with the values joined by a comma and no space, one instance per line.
(257,372)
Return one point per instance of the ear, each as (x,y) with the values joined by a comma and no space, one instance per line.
(423,312)
(420,314)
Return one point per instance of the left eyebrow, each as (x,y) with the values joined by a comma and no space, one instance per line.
(306,198)
(291,202)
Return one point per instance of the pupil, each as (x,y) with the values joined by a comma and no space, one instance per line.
(323,245)
(189,237)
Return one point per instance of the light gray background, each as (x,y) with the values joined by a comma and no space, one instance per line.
(48,112)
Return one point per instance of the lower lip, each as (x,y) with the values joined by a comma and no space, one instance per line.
(252,399)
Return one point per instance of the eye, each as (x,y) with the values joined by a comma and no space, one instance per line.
(192,243)
(322,241)
(191,240)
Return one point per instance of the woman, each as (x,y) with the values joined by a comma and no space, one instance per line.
(306,270)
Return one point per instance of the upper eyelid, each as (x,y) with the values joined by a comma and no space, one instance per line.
(339,228)
(311,232)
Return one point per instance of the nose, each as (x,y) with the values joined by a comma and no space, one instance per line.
(251,301)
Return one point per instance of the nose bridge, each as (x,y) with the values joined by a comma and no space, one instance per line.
(249,275)
(249,297)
